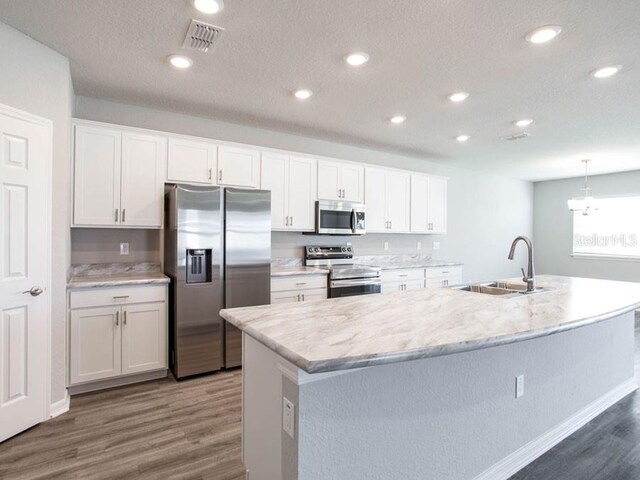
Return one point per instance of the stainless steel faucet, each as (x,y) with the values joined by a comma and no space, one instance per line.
(530,277)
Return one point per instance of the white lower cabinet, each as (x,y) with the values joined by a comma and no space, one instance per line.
(406,279)
(443,276)
(298,288)
(108,341)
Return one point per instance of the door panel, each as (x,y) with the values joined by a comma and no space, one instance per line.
(144,338)
(438,204)
(302,193)
(25,156)
(238,167)
(376,200)
(143,161)
(328,180)
(419,204)
(95,344)
(398,201)
(274,178)
(98,153)
(191,162)
(352,182)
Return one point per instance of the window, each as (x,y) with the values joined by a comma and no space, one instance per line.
(613,230)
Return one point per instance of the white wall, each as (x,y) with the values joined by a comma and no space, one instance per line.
(553,227)
(36,79)
(485,212)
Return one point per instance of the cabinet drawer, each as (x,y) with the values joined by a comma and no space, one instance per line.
(403,275)
(97,297)
(294,296)
(443,272)
(302,282)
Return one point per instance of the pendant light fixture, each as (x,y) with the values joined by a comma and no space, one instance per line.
(584,203)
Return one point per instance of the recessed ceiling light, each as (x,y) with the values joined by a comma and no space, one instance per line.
(525,122)
(180,61)
(605,72)
(543,34)
(458,97)
(356,59)
(302,93)
(462,138)
(397,119)
(209,6)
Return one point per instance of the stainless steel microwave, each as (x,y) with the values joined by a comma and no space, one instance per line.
(340,218)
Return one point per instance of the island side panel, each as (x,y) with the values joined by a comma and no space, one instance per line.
(456,416)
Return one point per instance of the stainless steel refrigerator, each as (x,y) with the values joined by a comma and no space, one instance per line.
(218,255)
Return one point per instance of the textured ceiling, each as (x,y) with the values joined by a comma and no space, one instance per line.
(420,51)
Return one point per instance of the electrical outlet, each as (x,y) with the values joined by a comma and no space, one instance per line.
(519,386)
(288,417)
(386,245)
(124,248)
(419,246)
(436,245)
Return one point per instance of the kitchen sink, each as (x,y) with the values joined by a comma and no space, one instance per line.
(510,289)
(487,289)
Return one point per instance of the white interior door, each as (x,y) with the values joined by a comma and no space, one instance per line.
(25,211)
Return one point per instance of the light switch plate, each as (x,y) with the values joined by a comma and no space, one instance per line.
(288,417)
(124,248)
(386,245)
(419,246)
(519,386)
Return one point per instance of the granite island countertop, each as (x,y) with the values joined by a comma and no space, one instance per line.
(116,274)
(354,332)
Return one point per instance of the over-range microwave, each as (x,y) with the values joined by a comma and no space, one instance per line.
(340,218)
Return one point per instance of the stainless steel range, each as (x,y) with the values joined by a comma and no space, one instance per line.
(346,278)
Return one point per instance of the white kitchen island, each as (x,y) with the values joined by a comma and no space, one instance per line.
(422,385)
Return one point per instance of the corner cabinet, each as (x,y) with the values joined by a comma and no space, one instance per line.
(428,204)
(118,178)
(340,181)
(387,196)
(293,183)
(116,332)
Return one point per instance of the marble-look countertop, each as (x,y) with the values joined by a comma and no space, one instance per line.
(353,332)
(115,274)
(417,264)
(277,271)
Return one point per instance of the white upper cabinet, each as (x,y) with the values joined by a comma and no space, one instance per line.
(98,154)
(192,161)
(340,181)
(388,200)
(143,162)
(292,182)
(118,178)
(238,167)
(428,204)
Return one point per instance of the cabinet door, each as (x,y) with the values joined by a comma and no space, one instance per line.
(352,183)
(144,337)
(285,297)
(419,204)
(191,161)
(413,285)
(302,193)
(437,205)
(376,200)
(398,201)
(315,294)
(143,161)
(238,167)
(329,180)
(388,287)
(94,344)
(96,180)
(273,177)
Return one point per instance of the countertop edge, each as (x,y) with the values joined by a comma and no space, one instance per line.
(324,366)
(74,284)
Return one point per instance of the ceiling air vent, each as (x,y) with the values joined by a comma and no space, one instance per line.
(202,36)
(517,136)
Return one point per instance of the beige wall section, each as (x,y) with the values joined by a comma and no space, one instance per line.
(93,245)
(485,211)
(37,80)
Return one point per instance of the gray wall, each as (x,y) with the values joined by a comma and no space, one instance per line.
(93,245)
(37,80)
(485,212)
(553,227)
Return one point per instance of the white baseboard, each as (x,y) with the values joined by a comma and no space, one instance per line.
(61,406)
(522,457)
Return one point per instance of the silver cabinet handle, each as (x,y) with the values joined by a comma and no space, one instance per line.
(390,225)
(117,318)
(298,297)
(34,291)
(300,284)
(291,222)
(404,275)
(124,212)
(286,221)
(303,297)
(124,320)
(210,173)
(116,219)
(220,175)
(120,296)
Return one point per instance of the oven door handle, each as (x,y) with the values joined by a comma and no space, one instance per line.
(354,283)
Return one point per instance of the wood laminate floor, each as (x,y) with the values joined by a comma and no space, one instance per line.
(191,430)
